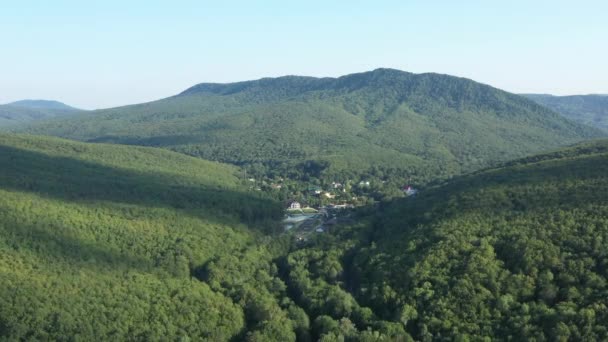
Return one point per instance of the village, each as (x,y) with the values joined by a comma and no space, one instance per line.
(317,206)
(303,220)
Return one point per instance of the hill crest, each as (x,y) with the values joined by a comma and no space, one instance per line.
(422,126)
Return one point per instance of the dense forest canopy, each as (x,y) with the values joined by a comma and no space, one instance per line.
(101,242)
(514,253)
(116,242)
(591,110)
(411,126)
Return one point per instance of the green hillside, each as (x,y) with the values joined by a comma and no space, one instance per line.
(25,111)
(591,110)
(513,253)
(416,126)
(118,242)
(102,242)
(107,242)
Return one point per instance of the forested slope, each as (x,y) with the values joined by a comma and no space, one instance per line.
(591,110)
(416,126)
(107,242)
(102,242)
(513,253)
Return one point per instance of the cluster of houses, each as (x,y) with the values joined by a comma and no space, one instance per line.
(318,191)
(294,205)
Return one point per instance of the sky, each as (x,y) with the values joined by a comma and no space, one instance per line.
(113,53)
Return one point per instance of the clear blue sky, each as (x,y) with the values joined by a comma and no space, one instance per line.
(113,53)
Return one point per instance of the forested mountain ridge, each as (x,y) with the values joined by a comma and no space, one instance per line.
(43,104)
(419,126)
(591,110)
(511,253)
(23,111)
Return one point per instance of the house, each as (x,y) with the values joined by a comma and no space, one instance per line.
(364,183)
(295,205)
(336,185)
(329,195)
(409,190)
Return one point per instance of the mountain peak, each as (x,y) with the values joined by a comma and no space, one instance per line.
(41,104)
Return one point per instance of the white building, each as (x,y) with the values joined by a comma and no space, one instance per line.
(295,205)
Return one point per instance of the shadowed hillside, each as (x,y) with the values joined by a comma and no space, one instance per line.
(102,242)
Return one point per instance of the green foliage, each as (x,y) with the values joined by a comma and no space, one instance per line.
(134,243)
(591,110)
(511,253)
(105,242)
(514,252)
(406,126)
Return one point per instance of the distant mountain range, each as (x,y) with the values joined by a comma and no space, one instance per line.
(587,109)
(31,110)
(422,126)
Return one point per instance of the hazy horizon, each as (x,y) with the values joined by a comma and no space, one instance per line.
(112,54)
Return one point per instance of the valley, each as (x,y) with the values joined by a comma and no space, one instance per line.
(303,171)
(379,206)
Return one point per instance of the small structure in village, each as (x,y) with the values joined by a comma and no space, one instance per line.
(409,190)
(328,195)
(295,205)
(315,189)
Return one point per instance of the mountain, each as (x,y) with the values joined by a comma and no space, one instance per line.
(415,126)
(510,253)
(43,104)
(591,110)
(23,111)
